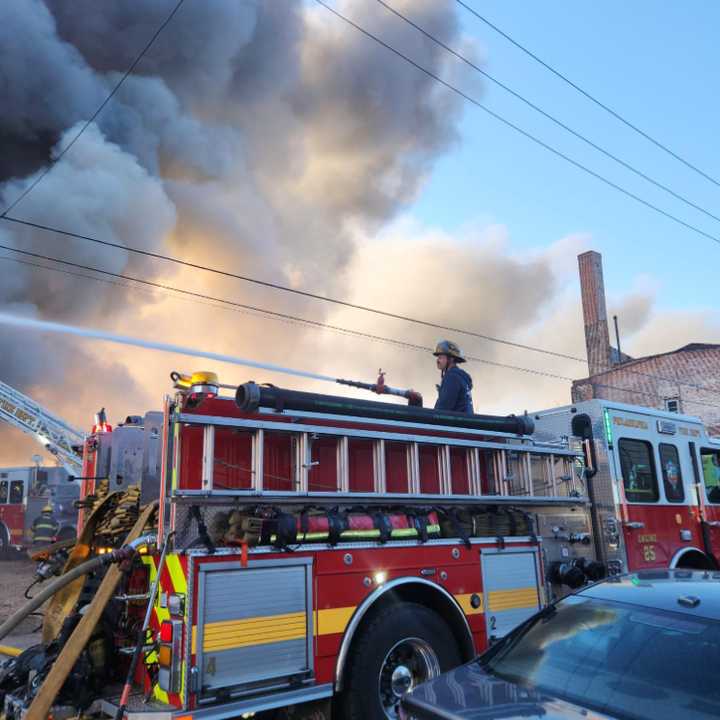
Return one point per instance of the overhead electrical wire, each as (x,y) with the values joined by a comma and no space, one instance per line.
(517,128)
(54,161)
(176,293)
(285,288)
(232,305)
(266,312)
(546,114)
(315,296)
(588,95)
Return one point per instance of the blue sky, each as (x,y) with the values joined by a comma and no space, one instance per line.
(656,64)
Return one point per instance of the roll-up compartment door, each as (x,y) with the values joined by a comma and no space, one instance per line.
(510,582)
(254,624)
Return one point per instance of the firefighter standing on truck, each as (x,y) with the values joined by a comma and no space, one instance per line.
(45,528)
(455,389)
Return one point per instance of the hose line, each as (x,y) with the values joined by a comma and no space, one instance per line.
(85,568)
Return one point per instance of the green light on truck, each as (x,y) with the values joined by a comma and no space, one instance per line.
(608,427)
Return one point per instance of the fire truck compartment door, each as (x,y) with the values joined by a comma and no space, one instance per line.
(510,582)
(255,624)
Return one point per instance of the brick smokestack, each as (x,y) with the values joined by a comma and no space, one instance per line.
(597,337)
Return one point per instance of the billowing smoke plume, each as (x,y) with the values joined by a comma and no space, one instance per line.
(255,136)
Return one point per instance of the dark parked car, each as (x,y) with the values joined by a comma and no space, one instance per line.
(644,646)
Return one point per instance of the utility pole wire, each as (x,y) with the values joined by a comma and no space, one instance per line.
(252,308)
(517,128)
(547,115)
(284,288)
(276,286)
(200,297)
(586,94)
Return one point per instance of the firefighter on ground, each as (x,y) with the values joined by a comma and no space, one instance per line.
(45,528)
(455,389)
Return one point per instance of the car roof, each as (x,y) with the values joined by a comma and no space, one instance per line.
(694,592)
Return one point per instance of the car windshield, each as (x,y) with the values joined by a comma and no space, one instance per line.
(624,660)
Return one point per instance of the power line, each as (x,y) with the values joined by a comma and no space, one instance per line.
(344,303)
(240,307)
(547,115)
(170,292)
(517,128)
(54,161)
(586,94)
(284,288)
(270,313)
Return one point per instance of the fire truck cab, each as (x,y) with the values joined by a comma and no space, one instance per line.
(653,480)
(14,485)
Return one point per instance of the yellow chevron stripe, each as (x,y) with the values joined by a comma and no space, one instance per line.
(160,695)
(177,575)
(499,600)
(162,614)
(467,608)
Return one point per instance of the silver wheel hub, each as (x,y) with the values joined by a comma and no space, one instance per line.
(401,680)
(409,663)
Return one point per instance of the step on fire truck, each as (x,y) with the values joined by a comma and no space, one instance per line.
(654,483)
(315,552)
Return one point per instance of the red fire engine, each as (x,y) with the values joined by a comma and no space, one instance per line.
(24,492)
(654,483)
(324,549)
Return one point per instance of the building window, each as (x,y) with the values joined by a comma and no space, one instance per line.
(672,404)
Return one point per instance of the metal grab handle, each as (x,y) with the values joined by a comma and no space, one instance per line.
(713,523)
(634,525)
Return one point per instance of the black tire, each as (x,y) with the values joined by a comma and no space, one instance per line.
(403,628)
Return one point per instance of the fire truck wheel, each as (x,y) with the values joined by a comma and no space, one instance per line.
(401,647)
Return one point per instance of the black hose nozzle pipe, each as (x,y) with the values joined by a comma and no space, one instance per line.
(249,397)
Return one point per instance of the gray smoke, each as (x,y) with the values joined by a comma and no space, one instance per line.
(256,136)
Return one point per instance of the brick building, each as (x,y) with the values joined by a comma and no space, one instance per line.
(685,380)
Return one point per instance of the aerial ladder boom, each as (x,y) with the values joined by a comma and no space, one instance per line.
(55,435)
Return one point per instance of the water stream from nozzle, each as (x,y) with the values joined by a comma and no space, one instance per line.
(60,328)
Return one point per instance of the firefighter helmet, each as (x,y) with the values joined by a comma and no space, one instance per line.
(47,509)
(449,348)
